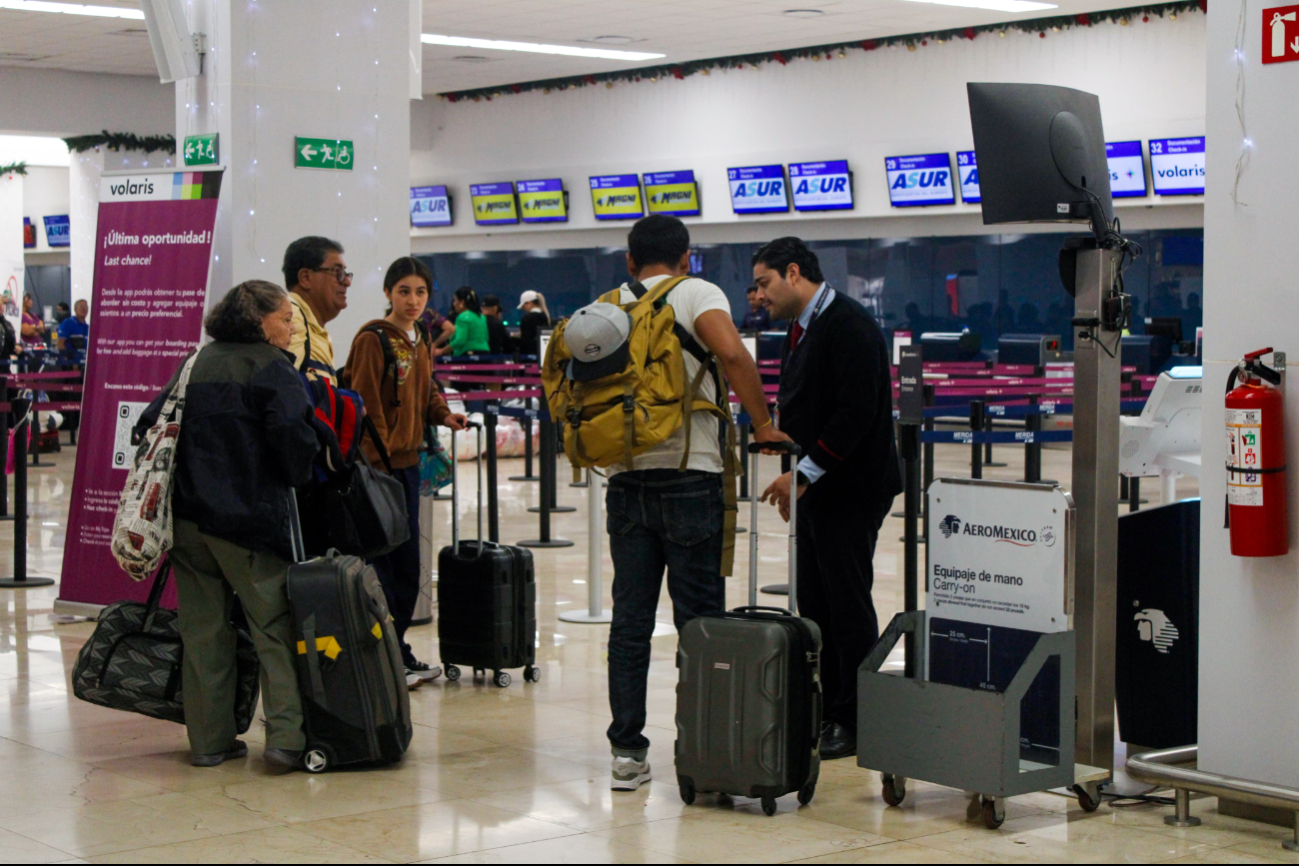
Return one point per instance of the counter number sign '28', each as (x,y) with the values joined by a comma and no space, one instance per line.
(1281,34)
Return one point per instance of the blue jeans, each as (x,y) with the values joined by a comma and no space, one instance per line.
(657,518)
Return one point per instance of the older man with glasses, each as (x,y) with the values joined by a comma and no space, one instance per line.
(317,280)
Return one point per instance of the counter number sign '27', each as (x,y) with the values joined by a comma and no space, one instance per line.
(1281,34)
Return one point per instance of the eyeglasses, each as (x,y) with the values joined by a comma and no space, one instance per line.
(338,271)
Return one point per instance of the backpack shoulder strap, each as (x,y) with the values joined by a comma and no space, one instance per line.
(389,358)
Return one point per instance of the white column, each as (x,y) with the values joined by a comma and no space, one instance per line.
(12,268)
(314,68)
(1249,622)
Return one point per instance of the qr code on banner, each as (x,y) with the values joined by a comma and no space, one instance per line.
(127,416)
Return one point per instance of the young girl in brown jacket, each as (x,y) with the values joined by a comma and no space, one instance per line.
(391,367)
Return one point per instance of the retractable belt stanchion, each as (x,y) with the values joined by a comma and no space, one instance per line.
(976,450)
(987,449)
(527,449)
(910,448)
(20,579)
(548,471)
(550,492)
(595,612)
(1033,450)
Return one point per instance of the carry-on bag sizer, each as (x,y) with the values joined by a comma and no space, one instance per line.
(350,671)
(749,690)
(487,599)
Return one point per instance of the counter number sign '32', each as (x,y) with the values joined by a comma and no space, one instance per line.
(1281,34)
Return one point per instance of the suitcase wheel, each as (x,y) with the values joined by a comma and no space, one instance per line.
(531,674)
(317,759)
(894,789)
(452,673)
(502,679)
(994,812)
(806,793)
(687,792)
(769,805)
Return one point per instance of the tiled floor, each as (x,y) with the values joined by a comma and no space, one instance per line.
(496,775)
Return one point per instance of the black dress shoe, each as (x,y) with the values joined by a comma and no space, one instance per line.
(837,742)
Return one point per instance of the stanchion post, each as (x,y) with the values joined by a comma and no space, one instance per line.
(910,448)
(551,447)
(744,476)
(548,482)
(527,423)
(20,579)
(976,427)
(493,505)
(595,612)
(1033,450)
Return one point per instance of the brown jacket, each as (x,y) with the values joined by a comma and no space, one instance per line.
(400,426)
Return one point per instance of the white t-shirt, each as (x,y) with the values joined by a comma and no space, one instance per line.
(689,300)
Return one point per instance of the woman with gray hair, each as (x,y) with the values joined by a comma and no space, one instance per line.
(246,441)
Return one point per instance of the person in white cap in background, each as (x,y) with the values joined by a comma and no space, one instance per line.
(536,318)
(659,515)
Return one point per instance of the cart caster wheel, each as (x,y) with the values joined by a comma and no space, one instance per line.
(1085,800)
(769,805)
(994,812)
(532,675)
(893,789)
(452,673)
(316,759)
(502,679)
(806,793)
(687,793)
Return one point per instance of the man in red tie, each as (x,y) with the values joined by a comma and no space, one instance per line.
(836,402)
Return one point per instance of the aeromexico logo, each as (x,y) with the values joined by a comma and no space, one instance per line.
(953,525)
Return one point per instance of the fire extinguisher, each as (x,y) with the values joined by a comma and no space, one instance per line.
(1256,494)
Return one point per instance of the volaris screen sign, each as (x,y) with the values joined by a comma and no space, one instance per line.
(617,197)
(920,180)
(494,203)
(967,171)
(1127,171)
(543,201)
(821,185)
(1177,165)
(430,207)
(674,193)
(758,189)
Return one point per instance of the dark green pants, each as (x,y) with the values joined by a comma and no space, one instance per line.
(209,573)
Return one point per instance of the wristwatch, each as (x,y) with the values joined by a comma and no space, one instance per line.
(803,480)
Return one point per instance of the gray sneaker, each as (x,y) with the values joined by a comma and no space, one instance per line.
(629,771)
(238,749)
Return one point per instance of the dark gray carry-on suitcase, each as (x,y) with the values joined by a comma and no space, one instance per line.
(749,693)
(487,600)
(350,670)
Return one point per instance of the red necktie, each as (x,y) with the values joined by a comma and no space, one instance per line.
(795,335)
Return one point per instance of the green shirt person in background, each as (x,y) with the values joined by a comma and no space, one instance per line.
(471,327)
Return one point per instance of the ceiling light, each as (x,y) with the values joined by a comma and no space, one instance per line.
(71,9)
(34,150)
(500,45)
(994,5)
(802,13)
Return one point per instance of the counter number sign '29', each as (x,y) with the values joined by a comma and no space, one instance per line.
(1281,34)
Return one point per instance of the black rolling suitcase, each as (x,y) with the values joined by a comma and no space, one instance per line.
(487,600)
(749,693)
(350,670)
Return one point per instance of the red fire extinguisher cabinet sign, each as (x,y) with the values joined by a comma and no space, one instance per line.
(1245,450)
(1281,34)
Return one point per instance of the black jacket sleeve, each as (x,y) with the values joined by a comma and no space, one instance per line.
(279,396)
(857,353)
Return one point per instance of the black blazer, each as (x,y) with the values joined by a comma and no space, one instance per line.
(836,402)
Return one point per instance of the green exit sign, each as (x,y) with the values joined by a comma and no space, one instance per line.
(201,149)
(335,153)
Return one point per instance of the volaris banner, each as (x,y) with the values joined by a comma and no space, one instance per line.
(153,247)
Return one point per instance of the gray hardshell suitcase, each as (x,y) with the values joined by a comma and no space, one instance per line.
(749,694)
(350,671)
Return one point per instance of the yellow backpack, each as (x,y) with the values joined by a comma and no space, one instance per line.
(612,420)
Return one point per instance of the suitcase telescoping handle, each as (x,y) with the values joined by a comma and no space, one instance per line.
(755,449)
(455,489)
(295,529)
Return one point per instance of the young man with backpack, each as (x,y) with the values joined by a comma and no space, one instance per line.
(667,507)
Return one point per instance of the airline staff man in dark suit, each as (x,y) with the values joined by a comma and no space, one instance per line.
(836,401)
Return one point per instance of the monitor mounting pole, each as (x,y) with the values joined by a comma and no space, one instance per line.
(1097,374)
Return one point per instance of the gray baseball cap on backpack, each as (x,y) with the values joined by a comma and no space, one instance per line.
(597,337)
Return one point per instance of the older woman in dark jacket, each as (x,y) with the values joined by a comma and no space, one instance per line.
(246,440)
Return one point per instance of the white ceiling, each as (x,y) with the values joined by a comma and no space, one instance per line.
(681,29)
